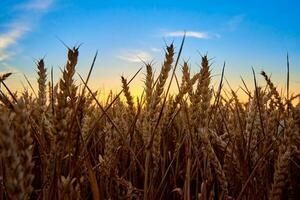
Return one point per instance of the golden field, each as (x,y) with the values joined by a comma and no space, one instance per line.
(61,142)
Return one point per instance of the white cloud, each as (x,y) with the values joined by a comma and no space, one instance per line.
(38,5)
(4,56)
(20,26)
(235,21)
(5,68)
(11,37)
(156,49)
(194,34)
(135,56)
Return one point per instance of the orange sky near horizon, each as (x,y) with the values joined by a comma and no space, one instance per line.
(17,82)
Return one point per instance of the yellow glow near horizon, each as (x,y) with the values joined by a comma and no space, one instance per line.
(17,83)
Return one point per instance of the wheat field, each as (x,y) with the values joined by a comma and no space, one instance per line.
(61,142)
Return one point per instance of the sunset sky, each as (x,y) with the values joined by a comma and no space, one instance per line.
(245,34)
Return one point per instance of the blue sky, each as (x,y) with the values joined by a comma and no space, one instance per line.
(242,33)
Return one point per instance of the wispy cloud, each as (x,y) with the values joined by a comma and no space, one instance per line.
(135,56)
(37,5)
(4,56)
(8,68)
(235,21)
(153,49)
(193,34)
(22,24)
(16,31)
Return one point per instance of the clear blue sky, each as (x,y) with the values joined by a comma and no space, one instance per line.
(242,33)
